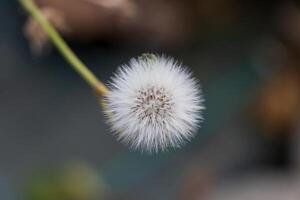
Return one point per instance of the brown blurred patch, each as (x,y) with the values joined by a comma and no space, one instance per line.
(279,100)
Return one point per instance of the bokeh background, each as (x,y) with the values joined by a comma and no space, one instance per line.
(54,143)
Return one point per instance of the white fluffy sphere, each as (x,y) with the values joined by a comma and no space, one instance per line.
(154,103)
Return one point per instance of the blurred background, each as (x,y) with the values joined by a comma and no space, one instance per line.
(54,144)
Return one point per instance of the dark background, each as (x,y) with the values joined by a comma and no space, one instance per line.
(49,116)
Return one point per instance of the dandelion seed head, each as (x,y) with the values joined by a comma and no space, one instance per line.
(154,103)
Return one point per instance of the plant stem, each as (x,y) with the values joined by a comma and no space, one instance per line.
(63,48)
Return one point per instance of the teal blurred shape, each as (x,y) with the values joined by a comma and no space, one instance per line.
(7,192)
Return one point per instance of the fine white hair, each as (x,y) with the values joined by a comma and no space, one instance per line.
(154,103)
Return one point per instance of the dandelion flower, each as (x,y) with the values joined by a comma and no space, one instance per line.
(154,104)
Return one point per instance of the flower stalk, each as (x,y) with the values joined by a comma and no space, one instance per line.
(63,48)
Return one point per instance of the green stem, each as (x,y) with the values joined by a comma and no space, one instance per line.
(63,48)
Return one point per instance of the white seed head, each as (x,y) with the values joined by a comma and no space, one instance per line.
(154,103)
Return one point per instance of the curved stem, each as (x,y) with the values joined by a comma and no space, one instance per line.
(63,48)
